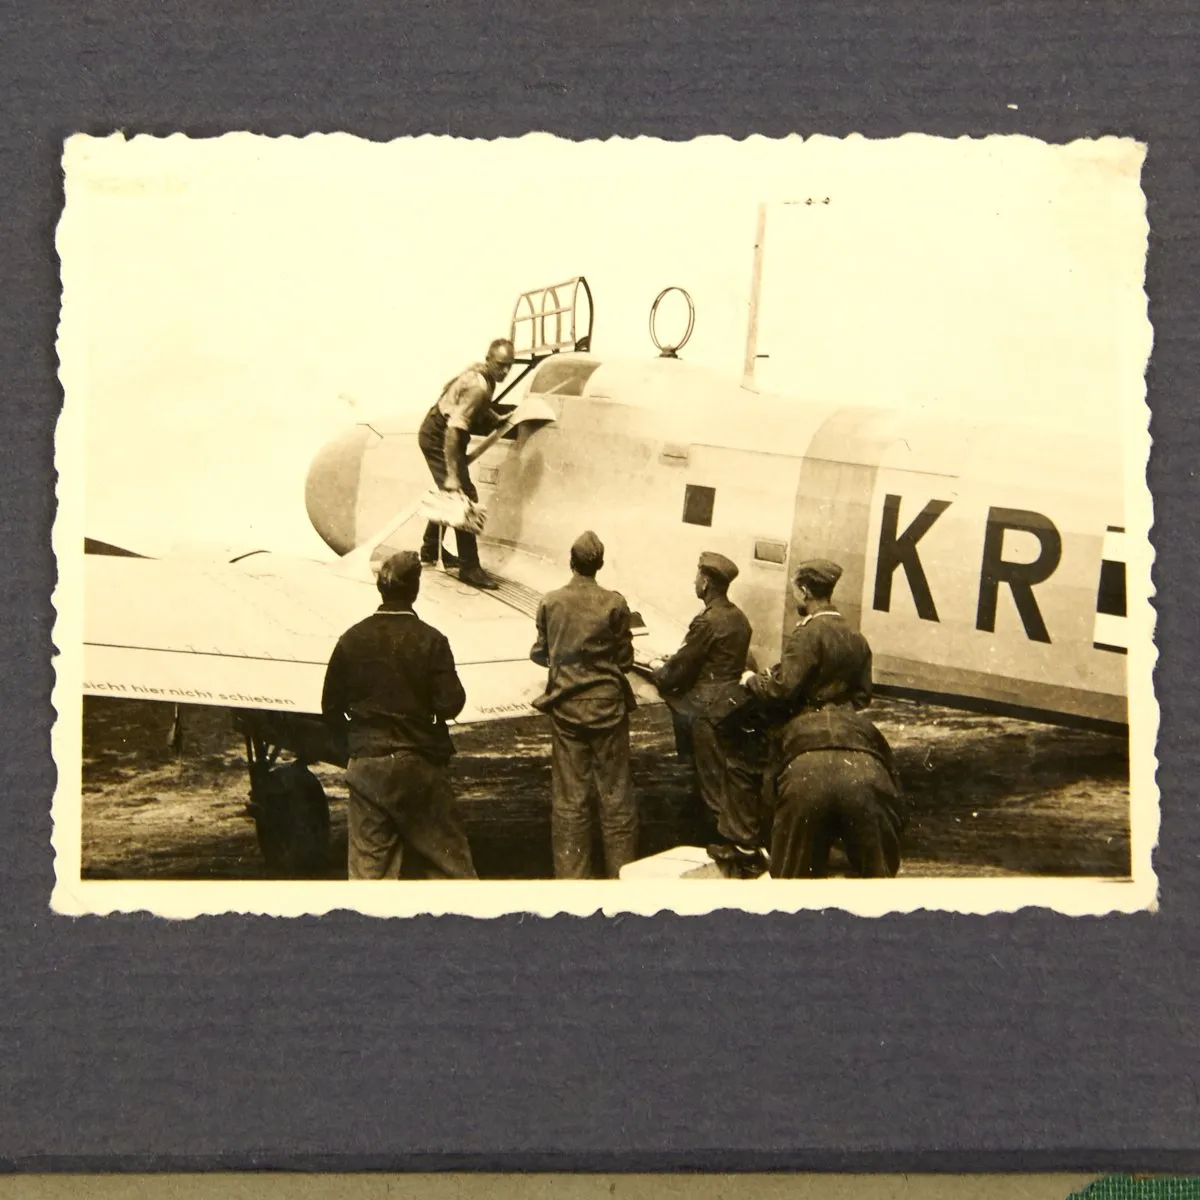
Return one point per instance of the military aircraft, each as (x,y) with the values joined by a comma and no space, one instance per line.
(983,563)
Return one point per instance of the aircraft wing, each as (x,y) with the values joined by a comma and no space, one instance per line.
(258,633)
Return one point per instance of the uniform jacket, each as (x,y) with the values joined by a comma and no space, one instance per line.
(466,401)
(583,637)
(818,688)
(391,685)
(701,678)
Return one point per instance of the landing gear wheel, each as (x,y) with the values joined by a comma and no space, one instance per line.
(290,812)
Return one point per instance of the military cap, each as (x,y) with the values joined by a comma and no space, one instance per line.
(718,565)
(399,571)
(588,550)
(818,572)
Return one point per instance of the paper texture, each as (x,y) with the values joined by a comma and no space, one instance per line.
(923,359)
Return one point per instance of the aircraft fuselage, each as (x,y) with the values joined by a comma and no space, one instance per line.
(982,561)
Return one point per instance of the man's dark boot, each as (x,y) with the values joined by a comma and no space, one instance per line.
(753,862)
(738,862)
(477,577)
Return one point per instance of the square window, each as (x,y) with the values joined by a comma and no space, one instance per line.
(769,551)
(698,504)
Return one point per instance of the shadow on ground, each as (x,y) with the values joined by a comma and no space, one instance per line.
(987,795)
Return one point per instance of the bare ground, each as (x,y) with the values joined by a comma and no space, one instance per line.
(988,795)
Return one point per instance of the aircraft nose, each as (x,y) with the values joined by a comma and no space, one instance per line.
(331,491)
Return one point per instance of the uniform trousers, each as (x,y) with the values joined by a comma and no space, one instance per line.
(403,805)
(729,786)
(432,440)
(824,796)
(580,758)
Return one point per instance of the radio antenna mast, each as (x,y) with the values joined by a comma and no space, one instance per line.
(755,290)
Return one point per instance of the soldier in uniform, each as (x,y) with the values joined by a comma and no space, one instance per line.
(700,682)
(464,408)
(835,780)
(389,690)
(584,639)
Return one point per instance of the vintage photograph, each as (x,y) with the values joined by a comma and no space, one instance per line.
(454,526)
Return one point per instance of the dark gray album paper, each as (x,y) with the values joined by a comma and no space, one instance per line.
(926,362)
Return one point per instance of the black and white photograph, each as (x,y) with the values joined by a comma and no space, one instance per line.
(464,526)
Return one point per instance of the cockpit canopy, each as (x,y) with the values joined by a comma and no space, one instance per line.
(562,376)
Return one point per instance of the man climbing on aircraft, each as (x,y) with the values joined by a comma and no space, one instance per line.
(464,408)
(584,638)
(390,688)
(833,770)
(700,681)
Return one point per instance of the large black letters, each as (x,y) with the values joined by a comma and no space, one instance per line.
(1020,577)
(901,551)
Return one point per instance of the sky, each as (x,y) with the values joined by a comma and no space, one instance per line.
(231,303)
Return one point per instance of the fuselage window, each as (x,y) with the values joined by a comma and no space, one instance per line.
(698,504)
(562,376)
(769,551)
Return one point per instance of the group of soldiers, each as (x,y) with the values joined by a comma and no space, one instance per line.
(785,761)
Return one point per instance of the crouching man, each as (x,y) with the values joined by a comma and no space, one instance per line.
(835,781)
(390,688)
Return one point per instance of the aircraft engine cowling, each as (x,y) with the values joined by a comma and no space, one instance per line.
(331,490)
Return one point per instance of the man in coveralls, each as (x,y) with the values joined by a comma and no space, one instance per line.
(389,689)
(464,408)
(700,681)
(836,780)
(584,638)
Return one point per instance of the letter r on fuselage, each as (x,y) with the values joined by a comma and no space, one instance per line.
(1020,577)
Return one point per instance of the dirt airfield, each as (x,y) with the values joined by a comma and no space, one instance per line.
(988,796)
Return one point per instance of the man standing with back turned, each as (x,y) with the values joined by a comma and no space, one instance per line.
(463,408)
(390,688)
(584,638)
